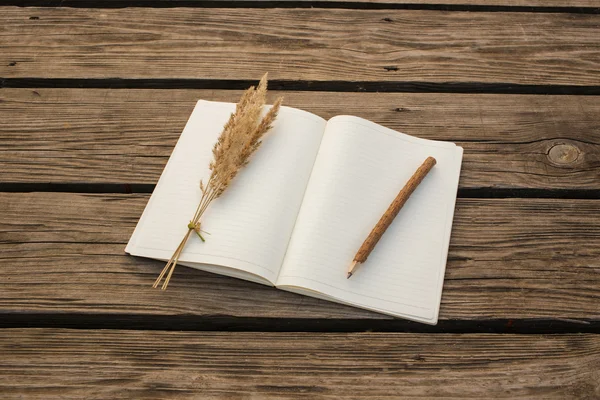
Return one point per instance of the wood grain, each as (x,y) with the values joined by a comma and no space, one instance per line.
(567,5)
(301,44)
(509,258)
(126,136)
(116,364)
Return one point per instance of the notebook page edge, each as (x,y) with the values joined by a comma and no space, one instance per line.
(323,296)
(449,224)
(390,131)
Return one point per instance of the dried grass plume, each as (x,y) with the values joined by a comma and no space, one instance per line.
(241,137)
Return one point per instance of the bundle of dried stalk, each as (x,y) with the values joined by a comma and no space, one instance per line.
(240,138)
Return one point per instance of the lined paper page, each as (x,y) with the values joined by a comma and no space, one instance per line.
(251,223)
(360,169)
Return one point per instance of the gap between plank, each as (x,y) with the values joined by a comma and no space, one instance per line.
(246,324)
(322,86)
(127,188)
(296,4)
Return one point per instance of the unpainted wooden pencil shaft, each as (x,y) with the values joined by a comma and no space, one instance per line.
(393,210)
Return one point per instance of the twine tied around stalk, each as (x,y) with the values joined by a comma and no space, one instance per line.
(196,228)
(192,227)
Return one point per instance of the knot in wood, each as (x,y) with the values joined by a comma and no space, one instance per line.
(563,153)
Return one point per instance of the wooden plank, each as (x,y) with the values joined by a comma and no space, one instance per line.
(508,3)
(94,364)
(468,4)
(126,136)
(301,44)
(509,259)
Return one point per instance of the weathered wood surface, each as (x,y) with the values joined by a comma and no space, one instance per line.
(509,258)
(562,4)
(530,262)
(301,44)
(126,136)
(75,364)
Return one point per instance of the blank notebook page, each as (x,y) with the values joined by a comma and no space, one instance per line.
(360,168)
(251,223)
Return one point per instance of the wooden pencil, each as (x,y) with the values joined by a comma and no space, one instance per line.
(387,218)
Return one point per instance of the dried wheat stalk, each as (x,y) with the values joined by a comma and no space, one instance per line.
(240,138)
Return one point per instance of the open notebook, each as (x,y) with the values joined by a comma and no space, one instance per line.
(295,216)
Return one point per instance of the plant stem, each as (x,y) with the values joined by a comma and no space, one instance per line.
(172,262)
(207,197)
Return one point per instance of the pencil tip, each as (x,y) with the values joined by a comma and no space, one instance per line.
(349,275)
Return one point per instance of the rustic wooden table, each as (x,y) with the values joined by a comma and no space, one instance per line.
(94,95)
